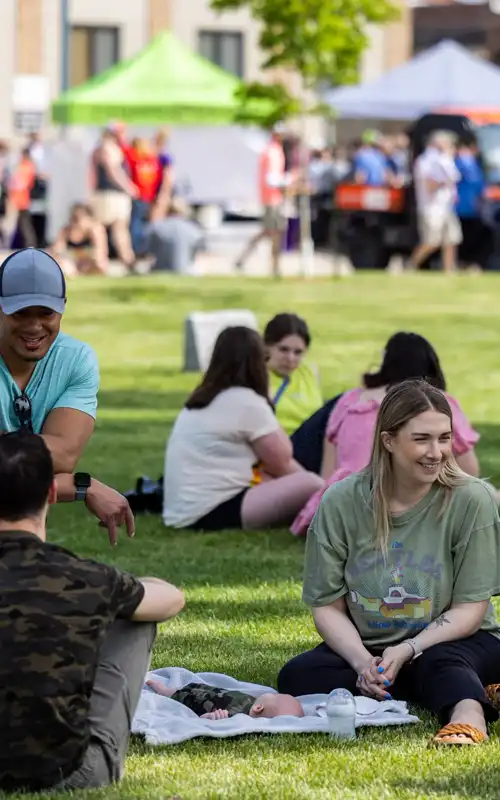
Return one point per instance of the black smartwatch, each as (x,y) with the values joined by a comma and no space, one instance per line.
(82,481)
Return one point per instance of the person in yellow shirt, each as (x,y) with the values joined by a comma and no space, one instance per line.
(294,384)
(295,389)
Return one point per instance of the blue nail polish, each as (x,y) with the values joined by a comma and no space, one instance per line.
(380,669)
(387,683)
(388,696)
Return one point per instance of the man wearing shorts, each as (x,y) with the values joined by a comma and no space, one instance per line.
(436,178)
(49,380)
(272,182)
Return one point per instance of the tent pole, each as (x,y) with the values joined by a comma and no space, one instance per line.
(65,32)
(306,241)
(65,26)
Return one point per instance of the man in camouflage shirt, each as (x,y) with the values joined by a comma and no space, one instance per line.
(75,640)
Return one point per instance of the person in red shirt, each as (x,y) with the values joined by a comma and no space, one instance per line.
(21,184)
(145,173)
(273,181)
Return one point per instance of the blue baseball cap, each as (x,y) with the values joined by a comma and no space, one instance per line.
(31,277)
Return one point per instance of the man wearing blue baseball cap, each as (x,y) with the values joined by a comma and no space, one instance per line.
(49,380)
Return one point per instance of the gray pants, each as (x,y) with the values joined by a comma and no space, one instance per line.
(124,660)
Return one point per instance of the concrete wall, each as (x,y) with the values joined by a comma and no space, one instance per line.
(188,18)
(7,63)
(130,16)
(390,46)
(160,16)
(29,26)
(474,26)
(30,37)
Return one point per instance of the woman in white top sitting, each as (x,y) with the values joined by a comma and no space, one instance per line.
(226,428)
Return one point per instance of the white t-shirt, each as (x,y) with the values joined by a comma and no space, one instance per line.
(209,457)
(437,166)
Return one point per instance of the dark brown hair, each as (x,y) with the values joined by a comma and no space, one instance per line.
(87,209)
(407,356)
(238,359)
(26,475)
(283,325)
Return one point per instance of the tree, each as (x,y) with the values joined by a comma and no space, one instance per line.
(321,40)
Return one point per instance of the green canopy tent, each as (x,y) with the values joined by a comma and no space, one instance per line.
(165,84)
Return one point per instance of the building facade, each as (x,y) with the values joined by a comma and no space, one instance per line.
(102,32)
(475,26)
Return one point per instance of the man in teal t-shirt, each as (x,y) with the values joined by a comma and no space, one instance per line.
(66,378)
(49,380)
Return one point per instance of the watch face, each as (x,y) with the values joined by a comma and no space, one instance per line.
(82,480)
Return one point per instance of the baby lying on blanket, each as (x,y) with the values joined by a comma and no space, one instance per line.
(209,702)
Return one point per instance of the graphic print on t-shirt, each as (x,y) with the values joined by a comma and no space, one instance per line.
(398,595)
(398,601)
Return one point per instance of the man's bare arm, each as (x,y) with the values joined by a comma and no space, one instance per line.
(66,433)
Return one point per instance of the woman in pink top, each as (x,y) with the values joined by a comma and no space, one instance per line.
(349,432)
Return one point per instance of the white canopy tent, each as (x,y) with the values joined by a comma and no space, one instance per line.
(445,76)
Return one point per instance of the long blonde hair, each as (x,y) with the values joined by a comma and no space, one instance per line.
(402,403)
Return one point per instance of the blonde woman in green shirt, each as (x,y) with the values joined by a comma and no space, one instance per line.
(402,561)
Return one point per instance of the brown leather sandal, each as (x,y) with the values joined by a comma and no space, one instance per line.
(493,694)
(458,733)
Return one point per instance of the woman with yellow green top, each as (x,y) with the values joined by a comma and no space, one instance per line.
(295,389)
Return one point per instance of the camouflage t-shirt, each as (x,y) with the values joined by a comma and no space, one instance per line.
(202,699)
(55,609)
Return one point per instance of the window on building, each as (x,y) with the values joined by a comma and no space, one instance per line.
(224,48)
(92,50)
(473,39)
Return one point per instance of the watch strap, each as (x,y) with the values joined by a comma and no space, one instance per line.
(82,481)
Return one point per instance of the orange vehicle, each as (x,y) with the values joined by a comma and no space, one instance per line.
(371,224)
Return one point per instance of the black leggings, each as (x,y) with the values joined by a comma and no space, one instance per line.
(307,441)
(437,680)
(27,229)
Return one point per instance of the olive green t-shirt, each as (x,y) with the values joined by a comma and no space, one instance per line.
(438,554)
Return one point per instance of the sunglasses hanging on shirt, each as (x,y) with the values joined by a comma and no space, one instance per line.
(22,410)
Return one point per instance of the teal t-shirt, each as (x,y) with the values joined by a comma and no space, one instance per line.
(68,377)
(439,553)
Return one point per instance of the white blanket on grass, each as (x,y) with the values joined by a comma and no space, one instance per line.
(165,721)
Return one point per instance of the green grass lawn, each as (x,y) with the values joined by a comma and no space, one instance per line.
(243,614)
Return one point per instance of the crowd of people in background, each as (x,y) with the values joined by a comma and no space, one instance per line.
(449,184)
(134,210)
(447,179)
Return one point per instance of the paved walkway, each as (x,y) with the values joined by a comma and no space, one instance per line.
(225,244)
